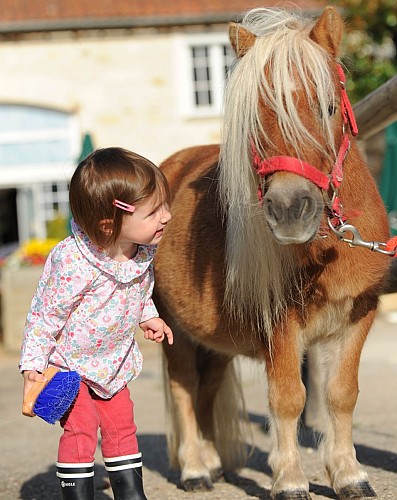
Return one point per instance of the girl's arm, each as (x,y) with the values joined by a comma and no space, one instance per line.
(60,286)
(156,329)
(153,327)
(148,309)
(29,378)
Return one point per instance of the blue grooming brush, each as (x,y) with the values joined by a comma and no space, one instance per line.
(51,399)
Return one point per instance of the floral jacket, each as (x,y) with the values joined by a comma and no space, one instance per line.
(86,311)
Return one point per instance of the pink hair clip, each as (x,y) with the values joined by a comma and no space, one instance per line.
(123,206)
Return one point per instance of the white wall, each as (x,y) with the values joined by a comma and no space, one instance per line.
(123,89)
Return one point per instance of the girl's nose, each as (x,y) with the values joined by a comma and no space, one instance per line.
(165,216)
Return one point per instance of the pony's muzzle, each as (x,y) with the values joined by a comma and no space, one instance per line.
(293,215)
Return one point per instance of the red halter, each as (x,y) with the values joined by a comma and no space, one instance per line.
(268,166)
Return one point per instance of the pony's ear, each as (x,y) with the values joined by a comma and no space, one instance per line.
(241,39)
(328,31)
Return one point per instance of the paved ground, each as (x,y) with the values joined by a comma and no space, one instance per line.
(28,446)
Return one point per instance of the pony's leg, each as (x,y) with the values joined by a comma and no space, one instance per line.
(342,358)
(212,367)
(286,402)
(314,382)
(184,386)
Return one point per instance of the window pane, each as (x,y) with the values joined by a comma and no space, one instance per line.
(201,76)
(33,135)
(53,200)
(21,118)
(228,58)
(38,152)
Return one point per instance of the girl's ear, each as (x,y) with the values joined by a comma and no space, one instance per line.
(106,226)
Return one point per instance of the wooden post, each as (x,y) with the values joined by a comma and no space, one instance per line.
(377,110)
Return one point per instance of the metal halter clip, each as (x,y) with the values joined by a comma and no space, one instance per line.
(356,240)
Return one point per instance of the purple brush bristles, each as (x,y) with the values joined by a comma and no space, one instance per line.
(58,395)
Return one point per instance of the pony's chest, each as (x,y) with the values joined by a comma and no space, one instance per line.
(328,319)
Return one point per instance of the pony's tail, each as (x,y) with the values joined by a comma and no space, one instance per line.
(172,430)
(232,431)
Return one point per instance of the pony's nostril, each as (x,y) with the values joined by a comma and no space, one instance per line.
(300,208)
(273,211)
(307,208)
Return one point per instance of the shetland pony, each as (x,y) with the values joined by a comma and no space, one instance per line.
(255,260)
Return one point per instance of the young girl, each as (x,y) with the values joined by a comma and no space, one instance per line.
(93,294)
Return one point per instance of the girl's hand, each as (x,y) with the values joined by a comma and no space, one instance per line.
(29,378)
(156,329)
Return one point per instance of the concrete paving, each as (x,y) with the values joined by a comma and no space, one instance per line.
(28,446)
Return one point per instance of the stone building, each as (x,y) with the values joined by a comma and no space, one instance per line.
(147,76)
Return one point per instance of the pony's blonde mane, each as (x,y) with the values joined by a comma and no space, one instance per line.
(259,272)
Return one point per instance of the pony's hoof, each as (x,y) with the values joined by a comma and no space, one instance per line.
(216,475)
(197,484)
(293,495)
(360,490)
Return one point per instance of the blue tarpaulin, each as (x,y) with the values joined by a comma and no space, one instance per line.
(388,178)
(87,147)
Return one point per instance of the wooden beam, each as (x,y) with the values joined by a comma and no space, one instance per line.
(377,110)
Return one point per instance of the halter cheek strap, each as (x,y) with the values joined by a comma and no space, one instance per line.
(346,107)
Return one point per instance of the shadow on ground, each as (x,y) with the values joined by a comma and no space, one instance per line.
(154,453)
(379,459)
(45,486)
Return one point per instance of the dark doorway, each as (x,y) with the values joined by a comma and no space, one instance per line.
(8,217)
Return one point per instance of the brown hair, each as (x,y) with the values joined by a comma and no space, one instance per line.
(106,175)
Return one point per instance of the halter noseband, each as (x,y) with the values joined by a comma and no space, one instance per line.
(336,219)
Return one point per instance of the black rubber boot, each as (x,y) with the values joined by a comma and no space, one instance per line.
(76,481)
(125,476)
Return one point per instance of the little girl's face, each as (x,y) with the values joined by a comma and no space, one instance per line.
(146,224)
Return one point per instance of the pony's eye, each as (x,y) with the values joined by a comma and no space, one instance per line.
(331,109)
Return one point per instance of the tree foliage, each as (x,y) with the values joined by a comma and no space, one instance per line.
(370,43)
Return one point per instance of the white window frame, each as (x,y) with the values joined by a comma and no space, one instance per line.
(39,199)
(53,203)
(184,72)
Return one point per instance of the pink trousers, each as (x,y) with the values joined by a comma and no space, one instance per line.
(113,417)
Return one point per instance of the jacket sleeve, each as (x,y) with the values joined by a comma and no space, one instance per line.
(148,309)
(60,287)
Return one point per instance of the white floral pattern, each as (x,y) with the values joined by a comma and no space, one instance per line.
(86,311)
